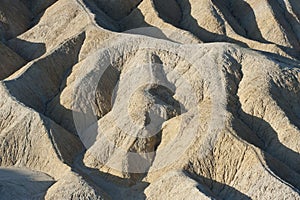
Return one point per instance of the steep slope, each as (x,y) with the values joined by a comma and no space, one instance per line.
(119,150)
(15,18)
(11,61)
(25,183)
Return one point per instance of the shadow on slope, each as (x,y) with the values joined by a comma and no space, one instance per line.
(283,161)
(26,49)
(10,61)
(113,185)
(37,6)
(288,99)
(245,16)
(41,81)
(101,18)
(216,189)
(134,20)
(288,23)
(280,159)
(169,11)
(189,23)
(23,184)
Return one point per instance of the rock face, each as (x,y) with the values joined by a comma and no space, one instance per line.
(150,99)
(23,183)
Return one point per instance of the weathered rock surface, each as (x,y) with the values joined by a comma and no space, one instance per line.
(23,183)
(150,99)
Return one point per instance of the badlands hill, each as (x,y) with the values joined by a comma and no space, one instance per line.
(149,99)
